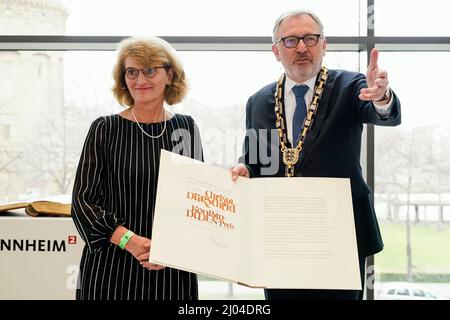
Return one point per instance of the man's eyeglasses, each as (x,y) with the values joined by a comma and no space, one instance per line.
(149,72)
(310,40)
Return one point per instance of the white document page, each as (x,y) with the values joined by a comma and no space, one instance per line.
(305,229)
(201,219)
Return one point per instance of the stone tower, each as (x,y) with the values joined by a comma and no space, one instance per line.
(31,99)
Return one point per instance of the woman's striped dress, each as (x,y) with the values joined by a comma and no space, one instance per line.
(115,184)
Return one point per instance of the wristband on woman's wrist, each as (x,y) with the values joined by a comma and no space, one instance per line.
(125,238)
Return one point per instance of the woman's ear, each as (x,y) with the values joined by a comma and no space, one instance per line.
(169,77)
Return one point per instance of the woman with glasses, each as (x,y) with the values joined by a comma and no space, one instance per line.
(115,186)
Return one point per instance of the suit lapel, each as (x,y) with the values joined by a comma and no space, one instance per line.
(319,119)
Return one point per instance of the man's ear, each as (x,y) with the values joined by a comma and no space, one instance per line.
(324,46)
(275,51)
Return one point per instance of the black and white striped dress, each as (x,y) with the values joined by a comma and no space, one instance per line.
(115,184)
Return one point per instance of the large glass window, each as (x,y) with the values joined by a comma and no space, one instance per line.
(407,18)
(168,18)
(411,176)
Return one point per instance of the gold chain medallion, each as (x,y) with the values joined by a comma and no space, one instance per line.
(291,155)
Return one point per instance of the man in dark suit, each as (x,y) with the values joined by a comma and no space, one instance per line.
(296,129)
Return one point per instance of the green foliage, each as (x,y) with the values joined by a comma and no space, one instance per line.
(430,253)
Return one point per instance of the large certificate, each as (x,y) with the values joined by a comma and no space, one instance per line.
(265,232)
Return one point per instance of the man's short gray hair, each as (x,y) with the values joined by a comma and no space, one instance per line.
(294,13)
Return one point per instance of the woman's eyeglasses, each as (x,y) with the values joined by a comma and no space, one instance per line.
(149,72)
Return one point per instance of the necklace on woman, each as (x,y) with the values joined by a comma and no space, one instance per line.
(143,131)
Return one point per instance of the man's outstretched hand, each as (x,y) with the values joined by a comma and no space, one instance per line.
(377,82)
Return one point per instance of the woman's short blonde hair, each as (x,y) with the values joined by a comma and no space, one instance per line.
(150,51)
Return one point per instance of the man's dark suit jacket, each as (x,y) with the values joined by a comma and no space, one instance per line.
(331,149)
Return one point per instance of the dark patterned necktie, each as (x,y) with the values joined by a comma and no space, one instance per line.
(300,112)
